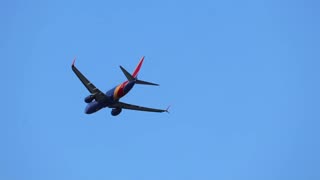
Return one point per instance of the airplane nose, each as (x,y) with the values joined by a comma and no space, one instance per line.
(92,107)
(88,110)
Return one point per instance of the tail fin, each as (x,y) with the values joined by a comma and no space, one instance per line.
(136,71)
(133,77)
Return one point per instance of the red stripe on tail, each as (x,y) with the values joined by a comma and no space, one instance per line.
(136,71)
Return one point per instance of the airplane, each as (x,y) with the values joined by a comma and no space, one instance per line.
(98,100)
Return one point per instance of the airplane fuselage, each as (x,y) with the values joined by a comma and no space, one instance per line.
(113,96)
(98,99)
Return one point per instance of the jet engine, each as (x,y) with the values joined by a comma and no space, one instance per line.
(116,111)
(89,99)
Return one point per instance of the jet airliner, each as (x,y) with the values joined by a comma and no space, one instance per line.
(98,100)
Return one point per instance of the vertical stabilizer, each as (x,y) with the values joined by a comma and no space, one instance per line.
(134,78)
(136,71)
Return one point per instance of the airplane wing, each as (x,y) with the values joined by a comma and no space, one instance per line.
(137,108)
(98,95)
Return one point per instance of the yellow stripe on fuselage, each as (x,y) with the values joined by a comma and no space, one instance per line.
(116,92)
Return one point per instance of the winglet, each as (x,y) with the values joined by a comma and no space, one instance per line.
(167,110)
(74,60)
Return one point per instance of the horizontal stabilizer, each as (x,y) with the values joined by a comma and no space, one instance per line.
(146,83)
(127,74)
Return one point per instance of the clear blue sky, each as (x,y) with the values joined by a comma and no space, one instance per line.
(242,78)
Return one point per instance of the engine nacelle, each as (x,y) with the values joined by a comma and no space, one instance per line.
(116,111)
(89,99)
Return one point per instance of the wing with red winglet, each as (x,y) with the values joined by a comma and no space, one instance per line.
(98,95)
